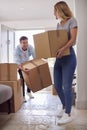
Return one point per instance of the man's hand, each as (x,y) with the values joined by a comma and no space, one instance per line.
(25,70)
(20,67)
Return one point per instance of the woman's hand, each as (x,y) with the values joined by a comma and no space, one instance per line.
(60,53)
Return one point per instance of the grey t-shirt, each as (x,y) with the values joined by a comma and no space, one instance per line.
(71,23)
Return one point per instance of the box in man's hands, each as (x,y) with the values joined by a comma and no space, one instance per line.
(38,76)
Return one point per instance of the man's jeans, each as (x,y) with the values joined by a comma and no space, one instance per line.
(23,83)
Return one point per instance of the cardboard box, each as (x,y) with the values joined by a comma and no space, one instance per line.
(8,72)
(38,76)
(48,43)
(3,72)
(32,79)
(12,72)
(17,98)
(43,71)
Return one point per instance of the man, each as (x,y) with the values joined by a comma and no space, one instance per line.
(21,55)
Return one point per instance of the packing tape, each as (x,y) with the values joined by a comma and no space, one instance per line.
(41,81)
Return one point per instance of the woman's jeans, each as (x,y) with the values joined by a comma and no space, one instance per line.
(64,69)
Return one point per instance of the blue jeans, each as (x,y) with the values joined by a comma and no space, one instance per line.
(64,69)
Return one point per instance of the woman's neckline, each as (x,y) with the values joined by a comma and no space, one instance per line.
(65,22)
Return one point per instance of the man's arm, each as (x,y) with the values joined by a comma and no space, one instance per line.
(17,58)
(32,51)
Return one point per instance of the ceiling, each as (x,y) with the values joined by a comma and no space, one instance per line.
(16,10)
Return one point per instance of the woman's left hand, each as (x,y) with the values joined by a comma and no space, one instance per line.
(60,53)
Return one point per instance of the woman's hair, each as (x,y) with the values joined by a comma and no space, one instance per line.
(63,10)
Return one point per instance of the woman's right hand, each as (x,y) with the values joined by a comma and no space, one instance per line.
(60,52)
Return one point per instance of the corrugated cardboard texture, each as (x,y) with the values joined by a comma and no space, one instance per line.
(38,76)
(44,72)
(8,72)
(57,39)
(48,43)
(12,70)
(4,72)
(42,47)
(32,78)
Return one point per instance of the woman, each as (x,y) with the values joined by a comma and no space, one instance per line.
(64,67)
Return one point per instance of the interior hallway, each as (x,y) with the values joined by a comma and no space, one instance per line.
(40,113)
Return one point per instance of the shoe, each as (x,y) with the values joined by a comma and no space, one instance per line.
(30,95)
(65,119)
(61,112)
(24,99)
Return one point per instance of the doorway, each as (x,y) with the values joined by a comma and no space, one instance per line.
(27,33)
(7,44)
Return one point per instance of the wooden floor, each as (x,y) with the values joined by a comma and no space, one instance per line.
(40,113)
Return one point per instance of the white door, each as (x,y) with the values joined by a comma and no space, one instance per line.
(81,14)
(11,43)
(7,44)
(4,52)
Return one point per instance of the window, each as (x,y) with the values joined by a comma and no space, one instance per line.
(27,33)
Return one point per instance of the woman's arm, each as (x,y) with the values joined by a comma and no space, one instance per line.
(73,35)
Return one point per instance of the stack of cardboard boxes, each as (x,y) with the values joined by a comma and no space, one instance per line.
(8,76)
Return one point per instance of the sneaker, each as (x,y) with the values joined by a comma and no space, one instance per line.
(30,95)
(61,112)
(65,119)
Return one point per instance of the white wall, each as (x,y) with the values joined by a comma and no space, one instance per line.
(46,24)
(81,14)
(40,23)
(0,42)
(32,24)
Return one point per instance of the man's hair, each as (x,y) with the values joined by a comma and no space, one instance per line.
(23,38)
